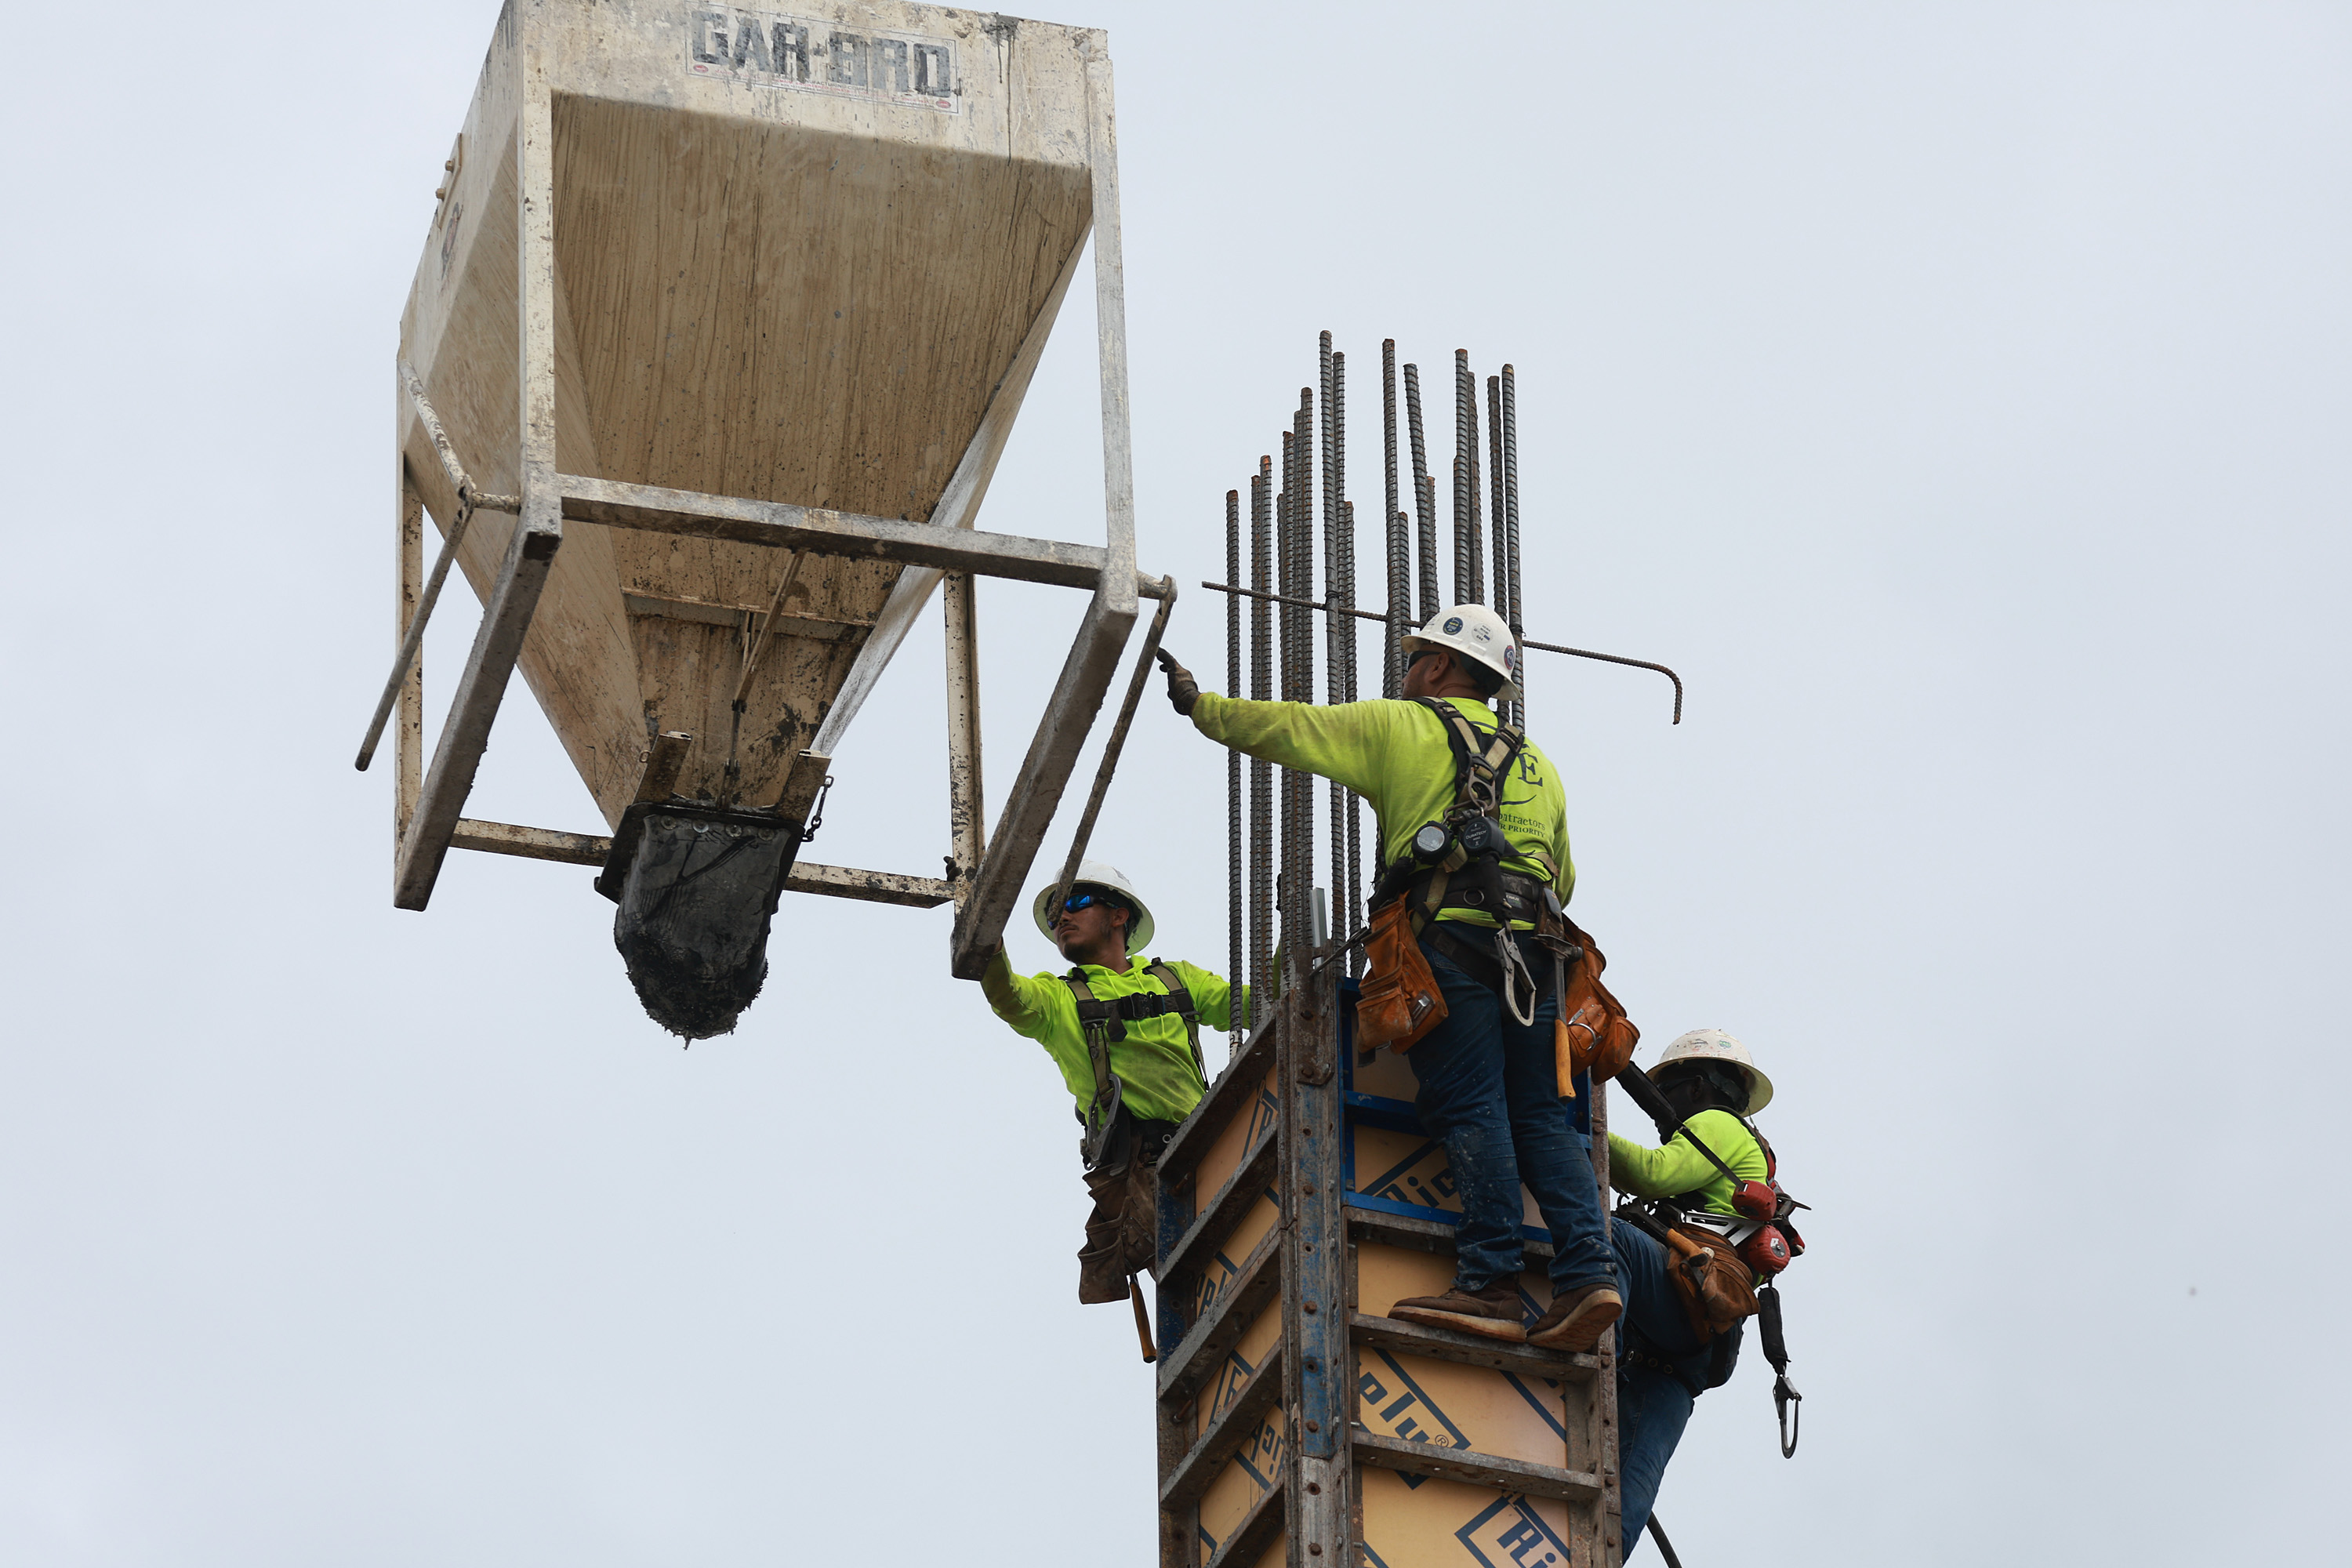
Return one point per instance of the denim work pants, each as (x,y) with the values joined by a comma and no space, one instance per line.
(1652,1407)
(1488,1091)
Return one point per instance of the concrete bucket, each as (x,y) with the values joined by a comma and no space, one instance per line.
(720,324)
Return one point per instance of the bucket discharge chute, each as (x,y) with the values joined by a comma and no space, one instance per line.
(721,323)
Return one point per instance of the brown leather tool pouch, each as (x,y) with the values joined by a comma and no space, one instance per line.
(1593,1032)
(1400,1001)
(1716,1288)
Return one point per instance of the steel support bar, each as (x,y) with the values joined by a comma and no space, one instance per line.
(967,793)
(1476,1469)
(1113,747)
(1045,771)
(806,876)
(467,733)
(539,530)
(531,842)
(821,531)
(408,735)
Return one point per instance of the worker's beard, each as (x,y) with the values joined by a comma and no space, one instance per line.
(1074,948)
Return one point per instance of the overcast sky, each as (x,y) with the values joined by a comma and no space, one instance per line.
(1957,396)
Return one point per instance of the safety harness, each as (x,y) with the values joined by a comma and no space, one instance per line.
(1658,1217)
(1466,871)
(1103,1022)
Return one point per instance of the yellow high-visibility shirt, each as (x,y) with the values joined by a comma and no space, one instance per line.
(1154,1064)
(1679,1170)
(1394,754)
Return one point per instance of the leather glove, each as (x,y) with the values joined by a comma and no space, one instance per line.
(1182,690)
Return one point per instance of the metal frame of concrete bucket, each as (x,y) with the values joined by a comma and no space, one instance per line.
(721,326)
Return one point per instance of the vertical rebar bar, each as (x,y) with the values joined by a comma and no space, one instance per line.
(1511,531)
(1261,772)
(1424,498)
(1469,542)
(1286,574)
(1497,543)
(1462,525)
(1337,622)
(1299,838)
(1354,859)
(1235,895)
(1398,600)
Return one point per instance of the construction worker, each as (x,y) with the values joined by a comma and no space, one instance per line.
(1485,1075)
(1127,1037)
(1713,1085)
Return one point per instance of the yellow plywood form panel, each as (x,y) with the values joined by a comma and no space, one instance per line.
(1410,1168)
(1425,1522)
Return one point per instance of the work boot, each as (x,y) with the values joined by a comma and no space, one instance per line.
(1577,1319)
(1493,1313)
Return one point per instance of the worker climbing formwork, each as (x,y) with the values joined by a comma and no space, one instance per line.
(1126,1037)
(1388,1294)
(668,384)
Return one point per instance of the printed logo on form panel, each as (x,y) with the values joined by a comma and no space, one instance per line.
(1261,1457)
(1232,1378)
(1423,1177)
(1547,1409)
(1214,1281)
(1262,1114)
(1510,1535)
(1390,1403)
(913,71)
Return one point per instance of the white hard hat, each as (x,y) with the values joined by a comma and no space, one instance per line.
(1713,1045)
(1100,874)
(1478,633)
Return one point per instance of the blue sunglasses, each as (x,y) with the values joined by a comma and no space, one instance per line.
(1088,899)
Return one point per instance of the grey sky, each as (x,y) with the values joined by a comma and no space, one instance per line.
(1957,396)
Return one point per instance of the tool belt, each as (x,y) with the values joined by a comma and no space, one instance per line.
(1716,1288)
(1128,1139)
(1480,965)
(1104,1021)
(1399,1002)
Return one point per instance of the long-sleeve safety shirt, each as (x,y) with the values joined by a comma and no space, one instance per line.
(1680,1171)
(1394,754)
(1162,1083)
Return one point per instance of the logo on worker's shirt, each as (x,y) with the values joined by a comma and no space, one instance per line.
(805,55)
(1509,1533)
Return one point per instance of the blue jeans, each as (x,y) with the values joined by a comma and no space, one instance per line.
(1652,1407)
(1488,1089)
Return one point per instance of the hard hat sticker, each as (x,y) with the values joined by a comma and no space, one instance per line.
(1452,625)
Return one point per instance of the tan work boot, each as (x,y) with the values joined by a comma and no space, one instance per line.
(1493,1313)
(1577,1319)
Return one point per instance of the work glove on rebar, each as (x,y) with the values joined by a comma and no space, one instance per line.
(1182,690)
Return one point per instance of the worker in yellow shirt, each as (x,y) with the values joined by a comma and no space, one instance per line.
(1710,1082)
(1485,1076)
(1127,1037)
